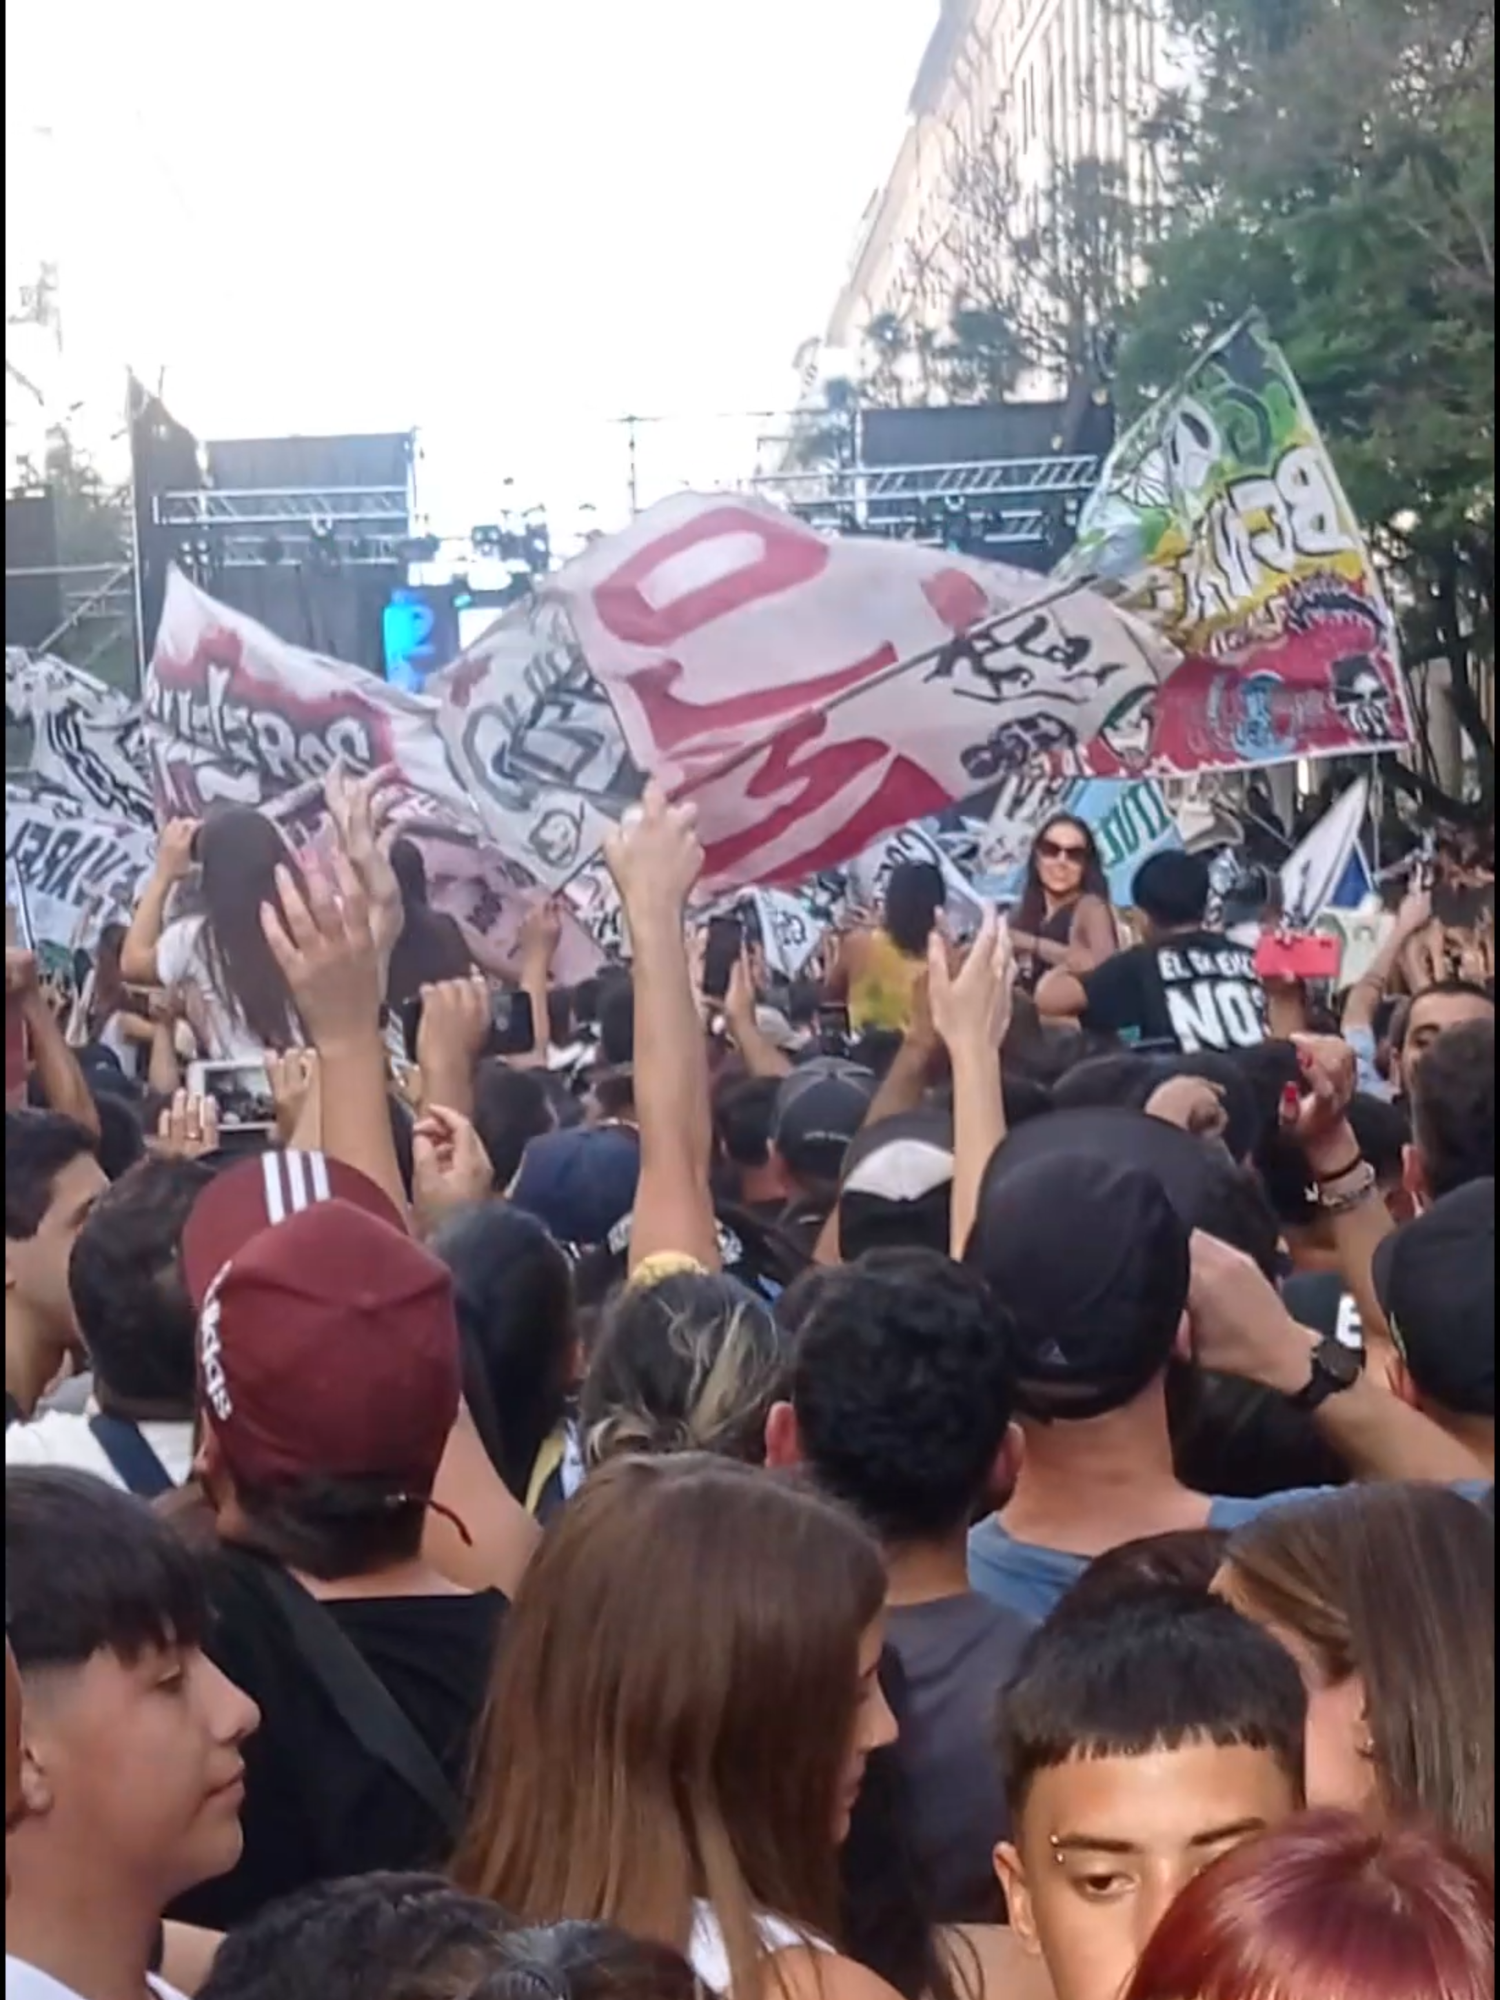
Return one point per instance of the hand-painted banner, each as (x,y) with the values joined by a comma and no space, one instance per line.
(811,693)
(870,873)
(239,716)
(534,741)
(234,713)
(790,931)
(86,736)
(79,871)
(1220,520)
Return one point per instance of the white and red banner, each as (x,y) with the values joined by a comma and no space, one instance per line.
(237,716)
(233,713)
(811,693)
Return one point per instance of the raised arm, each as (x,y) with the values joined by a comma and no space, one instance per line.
(327,950)
(761,1057)
(174,861)
(1347,1190)
(655,859)
(53,1063)
(971,1012)
(1240,1327)
(1367,992)
(541,934)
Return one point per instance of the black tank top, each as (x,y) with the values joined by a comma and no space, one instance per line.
(1057,929)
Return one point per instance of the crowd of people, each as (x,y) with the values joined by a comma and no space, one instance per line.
(965,1476)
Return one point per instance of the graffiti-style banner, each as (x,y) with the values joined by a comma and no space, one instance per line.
(1220,520)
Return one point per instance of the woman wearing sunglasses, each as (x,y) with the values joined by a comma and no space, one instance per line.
(1064,916)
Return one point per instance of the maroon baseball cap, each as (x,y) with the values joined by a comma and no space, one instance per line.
(327,1342)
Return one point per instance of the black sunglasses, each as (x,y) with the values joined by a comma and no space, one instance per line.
(1054,850)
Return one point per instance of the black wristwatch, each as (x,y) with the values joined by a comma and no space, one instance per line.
(1335,1368)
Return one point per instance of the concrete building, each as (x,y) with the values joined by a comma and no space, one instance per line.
(1007,90)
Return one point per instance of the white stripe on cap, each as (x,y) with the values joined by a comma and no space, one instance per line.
(270,1173)
(293,1182)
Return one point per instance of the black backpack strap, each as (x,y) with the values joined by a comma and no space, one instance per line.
(366,1706)
(140,1470)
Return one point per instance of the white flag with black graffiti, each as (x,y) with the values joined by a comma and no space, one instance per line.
(79,871)
(88,740)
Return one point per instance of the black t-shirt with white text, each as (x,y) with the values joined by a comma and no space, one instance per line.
(1193,991)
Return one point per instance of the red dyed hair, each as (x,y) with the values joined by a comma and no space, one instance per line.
(1328,1907)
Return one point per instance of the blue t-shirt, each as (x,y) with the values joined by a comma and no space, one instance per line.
(1031,1579)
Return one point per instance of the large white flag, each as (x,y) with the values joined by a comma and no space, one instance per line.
(86,736)
(810,693)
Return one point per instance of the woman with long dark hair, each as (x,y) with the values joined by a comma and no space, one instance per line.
(221,955)
(1385,1597)
(679,1724)
(1329,1908)
(1063,917)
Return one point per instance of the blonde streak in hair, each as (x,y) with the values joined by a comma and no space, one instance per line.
(720,1398)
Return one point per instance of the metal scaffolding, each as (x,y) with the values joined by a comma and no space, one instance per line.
(359,527)
(920,485)
(1019,504)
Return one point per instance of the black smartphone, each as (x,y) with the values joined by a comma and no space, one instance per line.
(512,1024)
(835,1033)
(726,940)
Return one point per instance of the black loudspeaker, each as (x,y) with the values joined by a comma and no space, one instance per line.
(163,459)
(33,588)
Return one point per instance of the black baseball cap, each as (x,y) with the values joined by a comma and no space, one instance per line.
(1088,1254)
(1435,1279)
(1174,1158)
(819,1108)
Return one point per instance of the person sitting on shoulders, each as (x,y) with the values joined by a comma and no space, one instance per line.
(1064,916)
(1184,989)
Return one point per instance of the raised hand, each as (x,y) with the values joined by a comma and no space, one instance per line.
(541,932)
(971,1009)
(188,1127)
(356,807)
(326,948)
(22,976)
(1316,1116)
(739,997)
(655,857)
(455,1023)
(296,1089)
(450,1167)
(174,853)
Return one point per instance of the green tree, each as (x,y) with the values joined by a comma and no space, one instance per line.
(1336,169)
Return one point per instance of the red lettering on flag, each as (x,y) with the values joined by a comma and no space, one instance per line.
(789,555)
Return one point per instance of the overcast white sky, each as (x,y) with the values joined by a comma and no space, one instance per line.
(503,222)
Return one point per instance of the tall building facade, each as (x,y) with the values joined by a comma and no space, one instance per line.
(1015,91)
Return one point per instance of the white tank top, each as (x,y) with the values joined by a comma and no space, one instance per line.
(709,1959)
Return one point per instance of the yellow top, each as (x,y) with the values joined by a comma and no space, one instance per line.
(880,997)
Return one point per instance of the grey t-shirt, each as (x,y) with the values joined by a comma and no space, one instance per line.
(956,1656)
(1031,1579)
